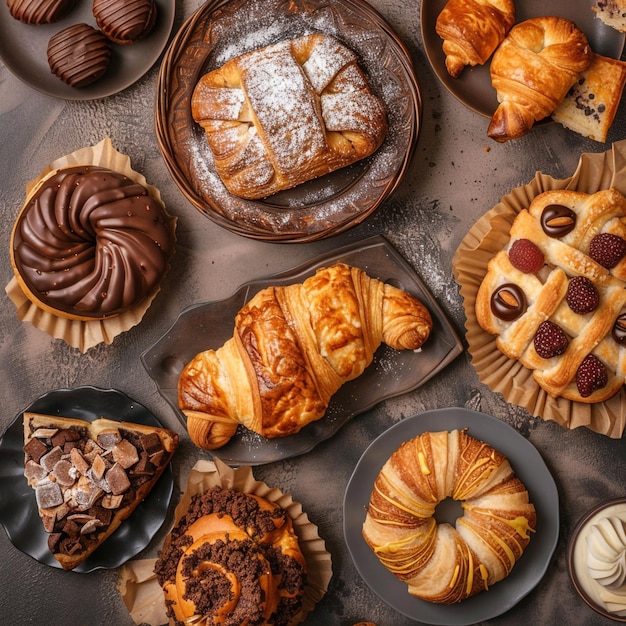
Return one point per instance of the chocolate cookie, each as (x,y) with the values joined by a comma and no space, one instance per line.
(79,55)
(39,11)
(125,21)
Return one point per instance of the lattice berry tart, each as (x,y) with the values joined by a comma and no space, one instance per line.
(556,295)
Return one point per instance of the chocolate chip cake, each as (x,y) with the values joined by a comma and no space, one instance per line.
(89,477)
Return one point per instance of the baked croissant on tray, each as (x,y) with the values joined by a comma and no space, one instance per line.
(292,349)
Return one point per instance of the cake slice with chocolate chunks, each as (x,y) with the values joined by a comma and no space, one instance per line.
(90,476)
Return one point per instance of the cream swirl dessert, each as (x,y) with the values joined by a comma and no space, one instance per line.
(90,243)
(606,552)
(598,559)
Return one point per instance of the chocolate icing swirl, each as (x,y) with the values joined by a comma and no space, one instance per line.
(91,242)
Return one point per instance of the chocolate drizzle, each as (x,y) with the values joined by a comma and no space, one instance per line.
(91,242)
(79,55)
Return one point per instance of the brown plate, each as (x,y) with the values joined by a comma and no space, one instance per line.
(223,29)
(473,88)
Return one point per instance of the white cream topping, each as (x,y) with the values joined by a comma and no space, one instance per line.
(606,552)
(599,559)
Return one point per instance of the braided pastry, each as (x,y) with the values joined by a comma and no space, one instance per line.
(556,297)
(292,349)
(440,563)
(471,30)
(234,558)
(284,114)
(532,70)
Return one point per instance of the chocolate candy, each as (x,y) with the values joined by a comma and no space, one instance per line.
(619,329)
(39,11)
(557,220)
(125,21)
(508,302)
(79,55)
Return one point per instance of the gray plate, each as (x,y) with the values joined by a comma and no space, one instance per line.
(473,88)
(18,508)
(530,469)
(23,51)
(393,372)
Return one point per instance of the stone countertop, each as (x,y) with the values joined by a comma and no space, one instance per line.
(456,175)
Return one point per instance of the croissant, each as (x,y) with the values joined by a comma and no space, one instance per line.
(440,563)
(532,70)
(281,115)
(292,348)
(234,558)
(471,31)
(555,297)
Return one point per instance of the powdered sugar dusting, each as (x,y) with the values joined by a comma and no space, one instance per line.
(276,88)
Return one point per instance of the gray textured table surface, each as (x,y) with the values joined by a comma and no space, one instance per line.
(452,180)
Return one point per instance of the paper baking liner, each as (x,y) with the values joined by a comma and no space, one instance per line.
(139,587)
(88,333)
(487,237)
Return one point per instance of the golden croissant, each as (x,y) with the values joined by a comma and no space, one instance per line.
(472,29)
(532,70)
(292,349)
(440,563)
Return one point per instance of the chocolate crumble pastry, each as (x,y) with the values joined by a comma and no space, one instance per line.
(233,557)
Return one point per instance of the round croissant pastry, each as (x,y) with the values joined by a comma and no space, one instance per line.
(472,29)
(440,563)
(532,70)
(292,349)
(234,558)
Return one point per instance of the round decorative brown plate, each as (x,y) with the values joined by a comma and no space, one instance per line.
(473,88)
(224,29)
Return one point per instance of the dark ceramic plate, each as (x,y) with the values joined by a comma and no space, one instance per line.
(528,466)
(18,508)
(473,88)
(392,373)
(224,29)
(23,51)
